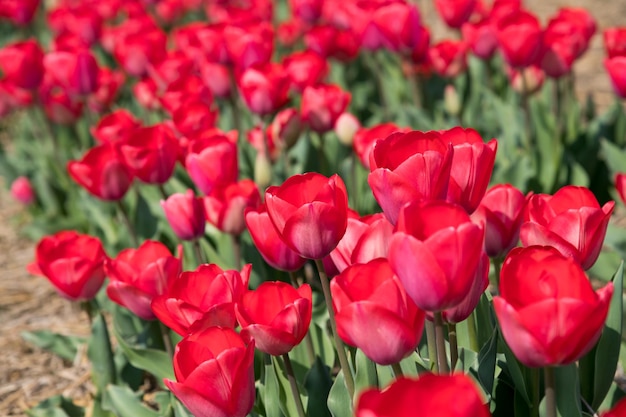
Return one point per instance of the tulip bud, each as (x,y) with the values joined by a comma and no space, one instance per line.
(528,80)
(22,191)
(185,213)
(286,127)
(262,170)
(346,127)
(451,100)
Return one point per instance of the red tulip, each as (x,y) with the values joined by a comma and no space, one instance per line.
(194,117)
(212,162)
(77,72)
(399,26)
(501,212)
(310,213)
(60,106)
(619,410)
(285,129)
(72,262)
(116,126)
(548,311)
(472,165)
(616,67)
(20,12)
(185,213)
(102,172)
(435,251)
(183,90)
(407,167)
(225,206)
(268,242)
(306,10)
(571,221)
(305,69)
(563,42)
(22,191)
(365,140)
(620,186)
(615,41)
(419,54)
(526,80)
(216,77)
(140,47)
(329,41)
(430,395)
(370,296)
(138,275)
(214,373)
(448,58)
(276,316)
(151,153)
(249,44)
(264,88)
(109,84)
(22,64)
(80,20)
(202,298)
(145,92)
(455,12)
(322,105)
(519,37)
(481,38)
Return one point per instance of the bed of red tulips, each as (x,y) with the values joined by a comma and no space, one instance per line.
(307,208)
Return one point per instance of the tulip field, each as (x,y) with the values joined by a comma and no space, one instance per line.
(314,208)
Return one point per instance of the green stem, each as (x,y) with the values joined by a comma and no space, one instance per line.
(432,345)
(454,345)
(294,386)
(87,307)
(536,396)
(397,370)
(167,342)
(377,74)
(414,86)
(308,339)
(198,251)
(161,188)
(440,338)
(526,108)
(472,333)
(497,267)
(128,223)
(236,243)
(549,382)
(354,185)
(341,351)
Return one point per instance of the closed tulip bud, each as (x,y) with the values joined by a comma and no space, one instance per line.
(571,221)
(225,206)
(430,395)
(72,262)
(77,72)
(212,162)
(214,371)
(448,58)
(346,127)
(185,213)
(22,191)
(151,153)
(451,100)
(310,213)
(455,12)
(22,64)
(202,298)
(286,128)
(138,275)
(264,88)
(370,296)
(276,316)
(116,126)
(322,105)
(520,38)
(540,289)
(262,170)
(527,80)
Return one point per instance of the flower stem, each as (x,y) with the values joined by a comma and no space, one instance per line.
(442,357)
(471,331)
(308,339)
(128,223)
(294,386)
(236,243)
(167,342)
(526,108)
(341,351)
(432,345)
(454,345)
(548,374)
(198,251)
(397,370)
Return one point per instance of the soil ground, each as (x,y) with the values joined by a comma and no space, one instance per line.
(29,375)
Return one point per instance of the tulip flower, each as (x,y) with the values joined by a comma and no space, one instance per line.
(329,41)
(409,166)
(519,37)
(185,213)
(276,316)
(455,12)
(430,395)
(307,10)
(305,69)
(109,84)
(527,80)
(398,25)
(448,58)
(435,252)
(481,38)
(620,186)
(374,313)
(322,105)
(249,44)
(615,41)
(80,20)
(116,126)
(22,191)
(264,88)
(285,129)
(138,275)
(616,68)
(225,207)
(365,140)
(19,12)
(72,262)
(268,242)
(183,90)
(571,221)
(214,371)
(77,71)
(194,116)
(151,153)
(102,172)
(501,211)
(310,213)
(548,311)
(619,410)
(22,64)
(202,298)
(139,48)
(212,162)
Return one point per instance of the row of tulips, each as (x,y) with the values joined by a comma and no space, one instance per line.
(210,170)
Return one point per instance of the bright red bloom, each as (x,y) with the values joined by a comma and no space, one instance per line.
(150,153)
(501,211)
(77,72)
(80,20)
(618,411)
(526,80)
(366,137)
(269,243)
(264,88)
(571,221)
(448,58)
(435,252)
(212,162)
(139,47)
(307,10)
(183,90)
(455,12)
(620,186)
(116,126)
(615,41)
(520,38)
(22,191)
(305,69)
(20,12)
(285,129)
(138,275)
(310,213)
(202,298)
(185,213)
(214,373)
(59,105)
(616,68)
(407,167)
(329,41)
(22,64)
(548,312)
(481,37)
(225,206)
(370,296)
(322,105)
(102,172)
(72,262)
(109,84)
(399,25)
(276,316)
(430,395)
(249,44)
(194,117)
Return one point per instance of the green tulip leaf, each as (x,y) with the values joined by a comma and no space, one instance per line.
(57,406)
(123,402)
(317,384)
(270,389)
(366,376)
(63,346)
(567,389)
(100,354)
(339,401)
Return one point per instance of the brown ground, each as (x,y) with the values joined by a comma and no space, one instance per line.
(29,375)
